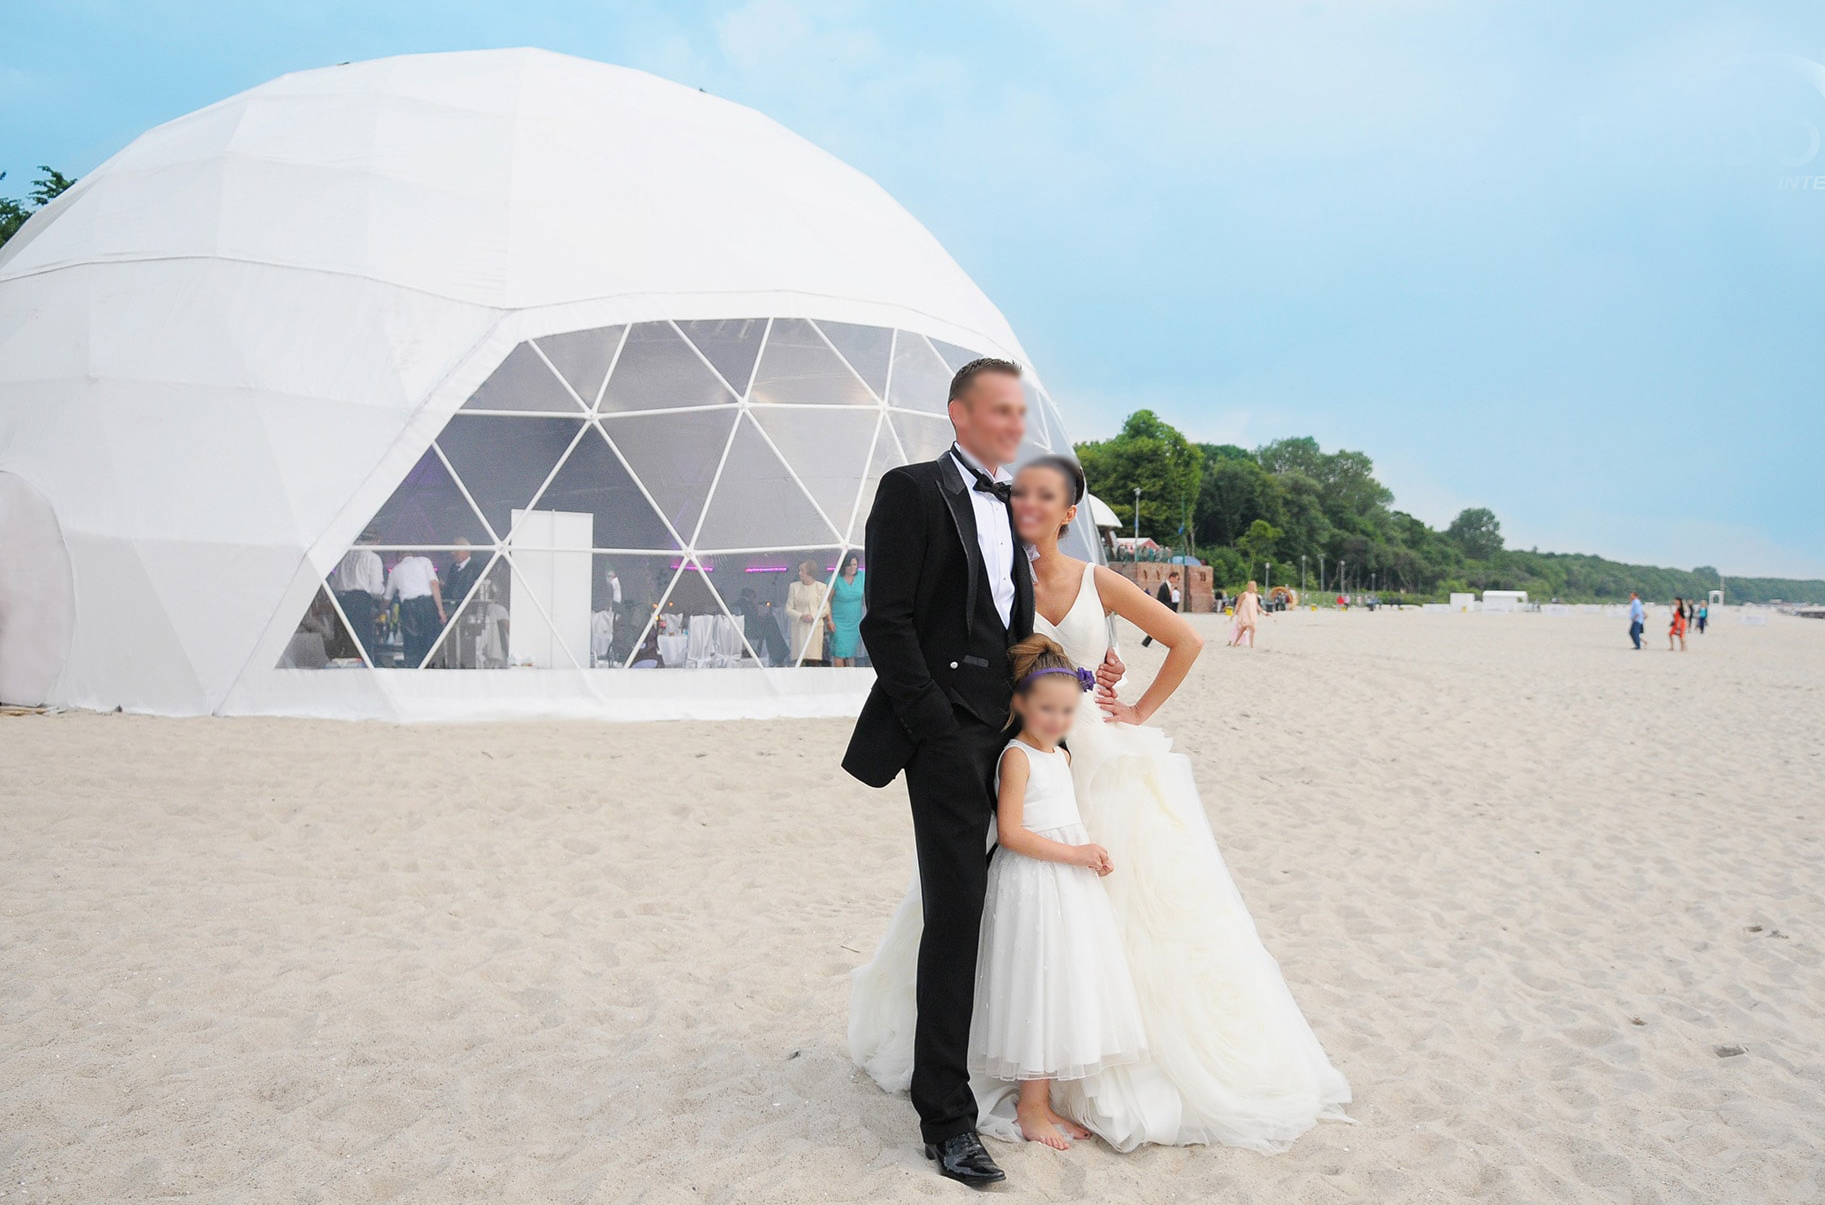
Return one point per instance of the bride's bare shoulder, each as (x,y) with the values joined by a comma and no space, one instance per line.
(1111,588)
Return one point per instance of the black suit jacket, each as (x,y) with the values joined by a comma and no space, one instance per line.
(939,647)
(1164,594)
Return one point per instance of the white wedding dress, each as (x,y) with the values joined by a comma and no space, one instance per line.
(1230,1058)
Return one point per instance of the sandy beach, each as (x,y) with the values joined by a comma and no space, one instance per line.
(1554,907)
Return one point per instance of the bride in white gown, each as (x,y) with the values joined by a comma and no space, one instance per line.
(1230,1057)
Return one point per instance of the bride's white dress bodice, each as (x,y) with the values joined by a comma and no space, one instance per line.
(1084,631)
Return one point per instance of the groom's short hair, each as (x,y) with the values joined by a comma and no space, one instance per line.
(960,383)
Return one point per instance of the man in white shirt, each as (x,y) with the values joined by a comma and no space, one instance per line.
(1638,620)
(413,582)
(994,534)
(358,581)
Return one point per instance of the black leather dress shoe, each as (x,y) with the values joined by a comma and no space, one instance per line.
(962,1159)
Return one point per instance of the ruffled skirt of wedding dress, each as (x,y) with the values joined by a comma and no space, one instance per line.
(1231,1059)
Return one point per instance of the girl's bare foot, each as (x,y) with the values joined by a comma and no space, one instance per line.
(1036,1124)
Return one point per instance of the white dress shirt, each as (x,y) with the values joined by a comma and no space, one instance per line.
(993,535)
(360,569)
(411,578)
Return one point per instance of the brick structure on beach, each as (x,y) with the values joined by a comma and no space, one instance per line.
(1194,581)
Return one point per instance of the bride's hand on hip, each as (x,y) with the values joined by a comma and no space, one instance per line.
(1110,671)
(1117,712)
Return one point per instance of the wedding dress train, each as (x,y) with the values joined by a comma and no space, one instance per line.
(1230,1058)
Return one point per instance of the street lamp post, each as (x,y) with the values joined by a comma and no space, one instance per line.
(1137,522)
(1302,573)
(1343,582)
(1270,579)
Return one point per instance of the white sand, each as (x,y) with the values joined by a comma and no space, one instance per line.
(1524,881)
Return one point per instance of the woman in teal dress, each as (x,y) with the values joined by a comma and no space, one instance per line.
(846,611)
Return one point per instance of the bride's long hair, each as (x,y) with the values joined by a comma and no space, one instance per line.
(1027,658)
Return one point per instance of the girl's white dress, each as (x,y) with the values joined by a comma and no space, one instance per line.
(1230,1057)
(1053,995)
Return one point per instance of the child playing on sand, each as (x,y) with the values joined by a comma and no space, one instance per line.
(1054,1000)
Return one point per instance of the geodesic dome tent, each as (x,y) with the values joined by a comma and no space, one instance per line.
(613,358)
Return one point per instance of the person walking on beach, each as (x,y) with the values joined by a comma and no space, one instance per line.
(1677,630)
(1638,620)
(1248,612)
(1702,613)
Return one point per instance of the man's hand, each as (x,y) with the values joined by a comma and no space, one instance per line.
(1110,672)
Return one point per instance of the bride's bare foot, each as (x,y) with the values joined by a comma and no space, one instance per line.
(1039,1124)
(1070,1128)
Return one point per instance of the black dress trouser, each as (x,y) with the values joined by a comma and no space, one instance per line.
(950,780)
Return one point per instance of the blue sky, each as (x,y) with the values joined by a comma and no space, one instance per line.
(1546,257)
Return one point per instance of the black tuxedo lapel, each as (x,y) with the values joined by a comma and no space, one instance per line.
(1022,624)
(963,515)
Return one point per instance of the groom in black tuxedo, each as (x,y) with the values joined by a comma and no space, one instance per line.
(949,590)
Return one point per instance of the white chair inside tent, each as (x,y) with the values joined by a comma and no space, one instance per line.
(701,651)
(730,647)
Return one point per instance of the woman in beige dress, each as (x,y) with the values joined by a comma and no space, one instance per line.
(808,605)
(1248,611)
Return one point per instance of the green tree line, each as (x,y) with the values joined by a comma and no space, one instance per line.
(49,185)
(1312,512)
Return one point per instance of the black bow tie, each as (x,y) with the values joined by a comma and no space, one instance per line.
(984,483)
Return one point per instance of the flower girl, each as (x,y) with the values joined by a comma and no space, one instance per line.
(1054,1000)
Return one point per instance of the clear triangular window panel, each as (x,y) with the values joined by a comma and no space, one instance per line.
(953,355)
(583,357)
(656,645)
(869,350)
(921,381)
(758,589)
(594,483)
(503,460)
(799,368)
(466,584)
(1037,430)
(675,457)
(715,637)
(658,370)
(322,640)
(427,508)
(479,633)
(626,589)
(828,449)
(922,437)
(731,344)
(524,382)
(1055,425)
(756,504)
(886,455)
